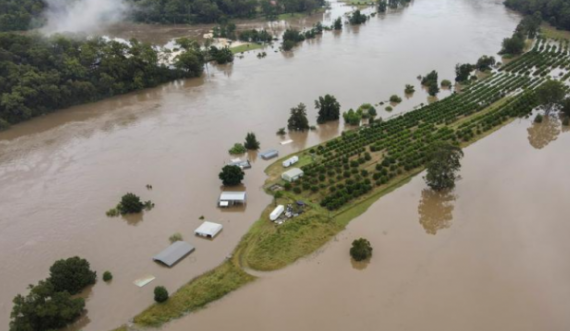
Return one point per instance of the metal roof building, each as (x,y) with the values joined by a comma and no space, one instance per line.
(292,175)
(269,154)
(208,230)
(231,198)
(174,253)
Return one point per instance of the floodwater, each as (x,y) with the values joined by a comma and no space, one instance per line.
(491,255)
(59,174)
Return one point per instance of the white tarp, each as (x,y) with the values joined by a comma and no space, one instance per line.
(276,212)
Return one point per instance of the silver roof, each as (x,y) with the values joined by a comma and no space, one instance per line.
(174,253)
(232,196)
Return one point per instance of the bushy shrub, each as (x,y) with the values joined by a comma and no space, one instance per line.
(361,249)
(160,294)
(107,276)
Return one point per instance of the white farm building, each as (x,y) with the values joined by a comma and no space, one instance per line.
(292,175)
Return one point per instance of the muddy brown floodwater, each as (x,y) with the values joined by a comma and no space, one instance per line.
(491,255)
(59,174)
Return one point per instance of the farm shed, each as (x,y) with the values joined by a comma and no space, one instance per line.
(208,230)
(269,154)
(228,199)
(292,175)
(174,253)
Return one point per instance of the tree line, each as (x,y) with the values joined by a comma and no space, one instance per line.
(555,12)
(39,75)
(25,14)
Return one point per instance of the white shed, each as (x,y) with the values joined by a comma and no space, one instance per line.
(292,175)
(290,161)
(276,212)
(208,230)
(232,198)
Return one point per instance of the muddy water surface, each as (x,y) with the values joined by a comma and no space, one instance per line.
(491,255)
(60,173)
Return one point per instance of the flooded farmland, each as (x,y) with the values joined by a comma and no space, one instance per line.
(60,173)
(488,256)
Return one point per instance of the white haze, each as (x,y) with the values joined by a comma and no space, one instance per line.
(82,16)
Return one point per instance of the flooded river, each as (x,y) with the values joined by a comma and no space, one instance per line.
(491,255)
(59,174)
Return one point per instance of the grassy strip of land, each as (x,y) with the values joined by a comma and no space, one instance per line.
(196,294)
(246,47)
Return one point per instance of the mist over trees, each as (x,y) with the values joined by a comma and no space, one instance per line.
(25,14)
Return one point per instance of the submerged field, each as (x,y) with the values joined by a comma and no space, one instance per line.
(344,176)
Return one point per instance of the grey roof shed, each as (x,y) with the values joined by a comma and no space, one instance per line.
(269,154)
(174,253)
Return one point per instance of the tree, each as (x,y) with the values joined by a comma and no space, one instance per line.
(130,204)
(361,249)
(443,166)
(485,63)
(433,89)
(513,45)
(337,25)
(231,175)
(329,109)
(409,89)
(382,6)
(107,276)
(462,72)
(251,142)
(71,275)
(550,93)
(160,294)
(298,120)
(44,309)
(278,195)
(357,18)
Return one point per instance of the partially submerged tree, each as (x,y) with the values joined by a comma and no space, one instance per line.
(361,249)
(231,175)
(443,165)
(462,72)
(550,93)
(329,109)
(132,204)
(251,142)
(337,25)
(485,63)
(71,275)
(298,120)
(44,309)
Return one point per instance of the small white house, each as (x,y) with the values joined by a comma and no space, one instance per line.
(276,212)
(208,230)
(290,161)
(292,175)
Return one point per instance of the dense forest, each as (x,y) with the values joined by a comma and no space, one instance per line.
(25,14)
(20,14)
(39,75)
(555,12)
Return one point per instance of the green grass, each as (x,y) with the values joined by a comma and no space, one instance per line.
(195,295)
(550,32)
(246,47)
